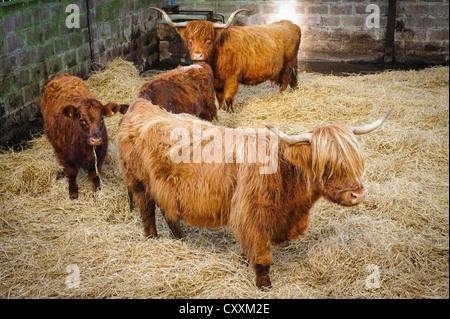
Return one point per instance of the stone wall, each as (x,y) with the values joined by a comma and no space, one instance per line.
(36,44)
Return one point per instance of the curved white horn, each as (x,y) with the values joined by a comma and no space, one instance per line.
(169,21)
(370,127)
(230,19)
(289,139)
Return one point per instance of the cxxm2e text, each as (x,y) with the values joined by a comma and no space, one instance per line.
(229,308)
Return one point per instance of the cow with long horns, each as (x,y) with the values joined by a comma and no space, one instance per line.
(246,55)
(209,176)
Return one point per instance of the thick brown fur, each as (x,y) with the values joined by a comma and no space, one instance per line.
(73,121)
(184,90)
(260,209)
(246,55)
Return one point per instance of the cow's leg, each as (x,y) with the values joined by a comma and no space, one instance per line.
(94,178)
(130,199)
(218,88)
(293,82)
(288,74)
(146,206)
(256,247)
(285,75)
(174,226)
(293,67)
(262,276)
(72,173)
(230,90)
(220,98)
(147,210)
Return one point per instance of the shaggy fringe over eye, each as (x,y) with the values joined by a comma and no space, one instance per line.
(200,30)
(335,154)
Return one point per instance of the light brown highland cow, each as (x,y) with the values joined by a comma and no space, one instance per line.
(260,184)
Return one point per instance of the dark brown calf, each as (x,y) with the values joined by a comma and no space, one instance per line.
(186,89)
(73,122)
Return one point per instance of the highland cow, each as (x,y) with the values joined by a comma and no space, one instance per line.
(260,208)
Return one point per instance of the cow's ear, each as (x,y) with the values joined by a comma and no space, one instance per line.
(124,108)
(218,35)
(182,32)
(111,108)
(70,111)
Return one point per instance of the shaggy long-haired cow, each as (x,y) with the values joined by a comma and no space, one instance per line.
(196,172)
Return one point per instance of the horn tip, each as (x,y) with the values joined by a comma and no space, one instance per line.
(242,10)
(388,113)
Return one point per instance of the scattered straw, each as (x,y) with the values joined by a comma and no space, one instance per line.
(119,82)
(401,229)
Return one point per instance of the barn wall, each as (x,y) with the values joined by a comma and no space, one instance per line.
(36,44)
(422,31)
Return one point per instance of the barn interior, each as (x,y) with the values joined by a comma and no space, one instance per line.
(394,245)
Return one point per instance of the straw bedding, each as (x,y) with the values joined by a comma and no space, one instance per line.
(401,230)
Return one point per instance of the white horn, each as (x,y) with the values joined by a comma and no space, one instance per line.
(169,21)
(289,139)
(230,19)
(370,127)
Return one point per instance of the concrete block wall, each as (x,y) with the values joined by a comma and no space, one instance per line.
(36,44)
(422,31)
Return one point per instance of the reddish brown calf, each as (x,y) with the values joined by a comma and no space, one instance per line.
(73,121)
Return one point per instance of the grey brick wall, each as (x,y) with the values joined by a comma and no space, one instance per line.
(35,45)
(422,31)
